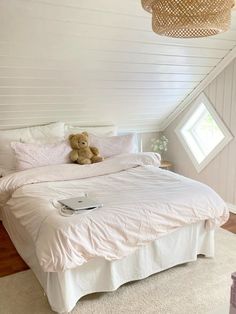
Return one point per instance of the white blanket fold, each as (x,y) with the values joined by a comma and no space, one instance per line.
(141,203)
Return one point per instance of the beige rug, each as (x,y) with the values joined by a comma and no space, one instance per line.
(201,287)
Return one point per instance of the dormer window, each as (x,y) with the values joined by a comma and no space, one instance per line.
(202,133)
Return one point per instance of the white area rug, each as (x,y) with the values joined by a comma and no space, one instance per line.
(201,287)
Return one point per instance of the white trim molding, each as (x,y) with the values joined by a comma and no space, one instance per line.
(202,99)
(232,208)
(199,89)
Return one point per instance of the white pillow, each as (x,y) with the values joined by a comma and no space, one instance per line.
(49,133)
(108,130)
(114,145)
(35,155)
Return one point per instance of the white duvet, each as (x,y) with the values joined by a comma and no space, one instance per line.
(141,203)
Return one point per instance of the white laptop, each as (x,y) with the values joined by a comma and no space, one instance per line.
(80,203)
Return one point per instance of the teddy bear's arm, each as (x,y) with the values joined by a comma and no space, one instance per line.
(74,155)
(94,150)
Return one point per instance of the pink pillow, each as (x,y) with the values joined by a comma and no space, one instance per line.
(35,155)
(114,145)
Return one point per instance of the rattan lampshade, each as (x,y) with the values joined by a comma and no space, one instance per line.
(189,18)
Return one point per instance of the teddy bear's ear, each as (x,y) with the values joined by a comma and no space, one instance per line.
(85,133)
(70,136)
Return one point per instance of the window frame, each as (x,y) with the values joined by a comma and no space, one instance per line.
(227,134)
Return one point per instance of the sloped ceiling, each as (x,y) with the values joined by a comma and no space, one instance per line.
(96,62)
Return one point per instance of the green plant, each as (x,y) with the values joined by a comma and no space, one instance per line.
(159,145)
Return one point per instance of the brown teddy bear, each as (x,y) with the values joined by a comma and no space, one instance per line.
(81,152)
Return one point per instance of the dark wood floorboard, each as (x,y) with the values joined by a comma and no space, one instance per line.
(11,262)
(230,225)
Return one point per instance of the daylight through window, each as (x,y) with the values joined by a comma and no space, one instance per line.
(202,133)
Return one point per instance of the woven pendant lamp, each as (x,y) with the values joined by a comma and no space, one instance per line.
(189,18)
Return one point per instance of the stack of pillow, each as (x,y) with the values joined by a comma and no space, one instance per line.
(37,146)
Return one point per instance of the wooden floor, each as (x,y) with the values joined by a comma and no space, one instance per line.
(11,262)
(231,224)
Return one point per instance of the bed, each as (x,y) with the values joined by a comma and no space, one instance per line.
(152,219)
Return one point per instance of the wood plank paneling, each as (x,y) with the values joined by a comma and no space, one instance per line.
(70,47)
(50,81)
(7,57)
(82,61)
(220,174)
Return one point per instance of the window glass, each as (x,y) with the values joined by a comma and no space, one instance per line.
(202,133)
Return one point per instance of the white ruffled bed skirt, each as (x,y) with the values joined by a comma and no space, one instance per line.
(64,289)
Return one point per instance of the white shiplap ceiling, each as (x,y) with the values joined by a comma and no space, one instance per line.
(96,62)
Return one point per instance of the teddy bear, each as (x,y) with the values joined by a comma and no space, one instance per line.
(81,152)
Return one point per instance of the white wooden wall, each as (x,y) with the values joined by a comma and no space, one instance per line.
(95,62)
(220,174)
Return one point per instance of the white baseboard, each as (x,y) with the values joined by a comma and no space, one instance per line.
(232,208)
